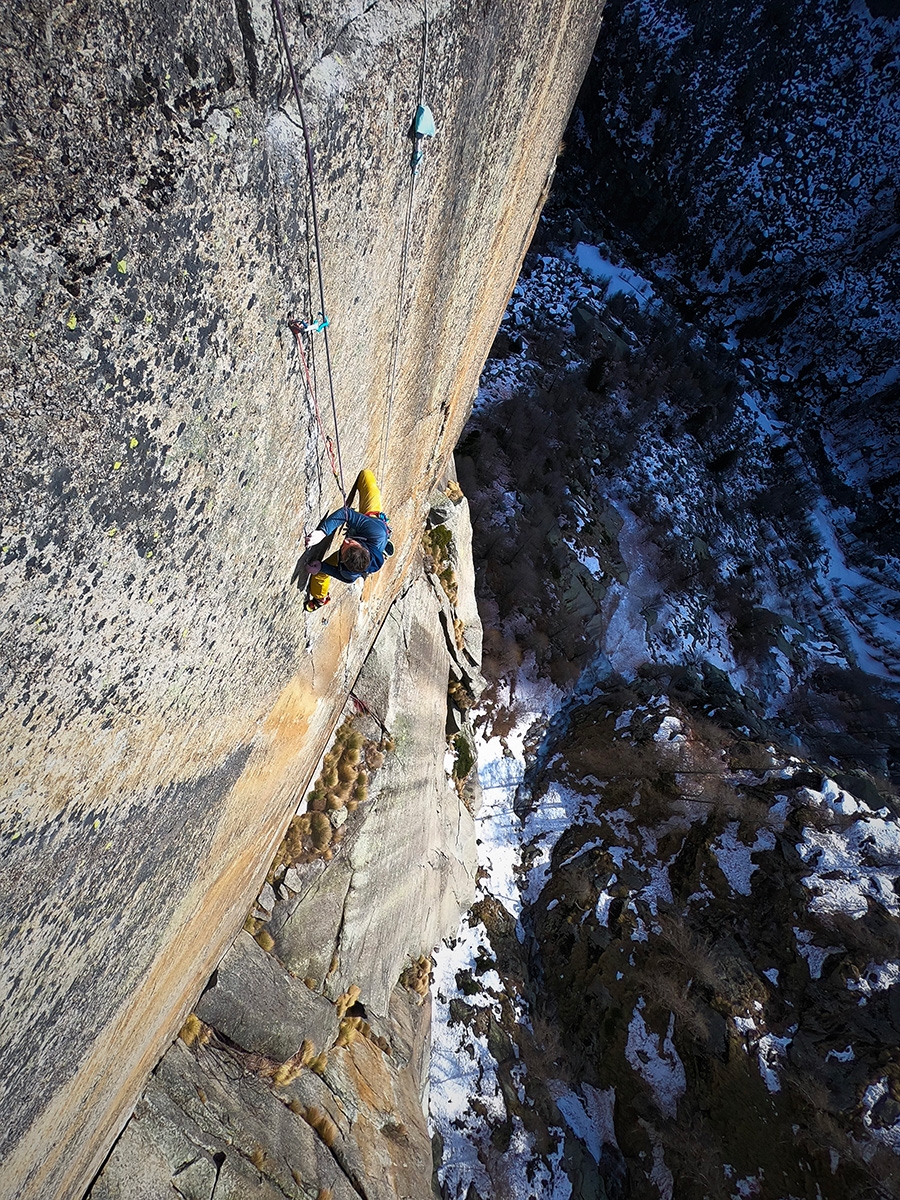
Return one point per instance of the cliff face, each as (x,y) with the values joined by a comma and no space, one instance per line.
(305,1065)
(165,699)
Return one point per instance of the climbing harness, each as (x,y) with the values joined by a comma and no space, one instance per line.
(423,126)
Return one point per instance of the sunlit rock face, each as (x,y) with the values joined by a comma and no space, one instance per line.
(304,1066)
(751,152)
(165,697)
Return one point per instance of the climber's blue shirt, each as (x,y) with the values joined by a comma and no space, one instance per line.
(371,532)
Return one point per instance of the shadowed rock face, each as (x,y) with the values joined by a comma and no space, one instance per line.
(165,700)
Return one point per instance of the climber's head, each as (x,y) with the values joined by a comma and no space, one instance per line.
(355,557)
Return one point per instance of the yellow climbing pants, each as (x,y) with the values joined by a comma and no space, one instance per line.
(368,502)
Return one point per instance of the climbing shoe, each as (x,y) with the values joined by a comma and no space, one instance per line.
(311,603)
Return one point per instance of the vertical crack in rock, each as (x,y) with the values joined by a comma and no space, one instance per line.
(248,40)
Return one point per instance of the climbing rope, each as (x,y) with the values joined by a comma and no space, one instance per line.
(423,126)
(335,449)
(297,329)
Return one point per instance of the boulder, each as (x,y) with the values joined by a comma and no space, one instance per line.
(189,1137)
(260,1007)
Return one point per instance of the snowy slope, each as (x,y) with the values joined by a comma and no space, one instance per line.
(751,151)
(688,844)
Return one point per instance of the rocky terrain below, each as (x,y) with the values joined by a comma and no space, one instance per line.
(681,974)
(748,154)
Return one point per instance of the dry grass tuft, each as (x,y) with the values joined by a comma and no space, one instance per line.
(287,1072)
(667,995)
(417,976)
(347,999)
(374,757)
(265,939)
(350,1028)
(194,1033)
(322,1124)
(347,1033)
(282,1074)
(343,782)
(685,948)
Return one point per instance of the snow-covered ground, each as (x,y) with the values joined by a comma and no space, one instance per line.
(465,1088)
(711,572)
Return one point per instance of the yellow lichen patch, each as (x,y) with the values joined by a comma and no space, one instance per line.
(258,1157)
(319,1064)
(194,1033)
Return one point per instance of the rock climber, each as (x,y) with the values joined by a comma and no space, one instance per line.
(364,547)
